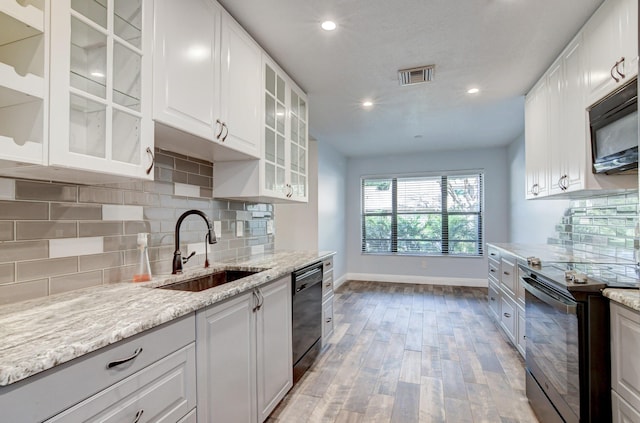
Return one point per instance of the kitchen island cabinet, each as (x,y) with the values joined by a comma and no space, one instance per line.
(244,355)
(327,300)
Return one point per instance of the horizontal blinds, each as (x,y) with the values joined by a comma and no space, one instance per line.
(423,215)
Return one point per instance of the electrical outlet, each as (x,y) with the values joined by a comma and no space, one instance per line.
(269,227)
(239,228)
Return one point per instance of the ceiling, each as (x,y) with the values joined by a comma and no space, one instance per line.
(499,46)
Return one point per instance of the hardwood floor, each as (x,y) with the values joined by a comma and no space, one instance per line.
(411,353)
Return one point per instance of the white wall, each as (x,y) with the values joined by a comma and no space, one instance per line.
(441,270)
(532,221)
(332,172)
(295,224)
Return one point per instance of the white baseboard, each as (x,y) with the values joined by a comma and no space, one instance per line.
(339,281)
(424,280)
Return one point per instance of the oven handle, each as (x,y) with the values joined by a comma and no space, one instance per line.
(538,291)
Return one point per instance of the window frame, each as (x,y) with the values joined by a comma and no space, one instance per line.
(444,214)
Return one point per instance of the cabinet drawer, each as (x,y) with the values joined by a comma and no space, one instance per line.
(494,253)
(508,317)
(327,285)
(494,300)
(189,418)
(327,319)
(31,399)
(163,392)
(494,269)
(327,265)
(508,275)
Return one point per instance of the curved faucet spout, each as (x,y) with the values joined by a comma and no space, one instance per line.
(177,255)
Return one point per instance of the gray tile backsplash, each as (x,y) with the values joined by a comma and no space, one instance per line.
(604,225)
(37,212)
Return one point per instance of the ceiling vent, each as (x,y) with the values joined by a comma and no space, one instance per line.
(416,75)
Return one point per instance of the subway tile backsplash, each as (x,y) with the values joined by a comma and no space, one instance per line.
(604,225)
(56,237)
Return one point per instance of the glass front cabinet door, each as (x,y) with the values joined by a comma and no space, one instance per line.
(100,119)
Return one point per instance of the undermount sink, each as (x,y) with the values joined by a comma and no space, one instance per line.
(209,281)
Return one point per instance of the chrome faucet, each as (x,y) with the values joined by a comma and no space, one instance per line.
(177,255)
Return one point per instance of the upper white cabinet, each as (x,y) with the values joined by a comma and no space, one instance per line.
(536,168)
(23,83)
(207,82)
(281,173)
(101,85)
(612,53)
(557,139)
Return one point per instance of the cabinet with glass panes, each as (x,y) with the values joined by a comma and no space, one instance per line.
(100,117)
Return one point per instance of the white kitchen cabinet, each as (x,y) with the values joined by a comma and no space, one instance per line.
(135,372)
(162,392)
(506,295)
(535,137)
(622,411)
(244,355)
(557,139)
(625,366)
(274,350)
(327,300)
(207,82)
(23,82)
(611,37)
(281,174)
(101,84)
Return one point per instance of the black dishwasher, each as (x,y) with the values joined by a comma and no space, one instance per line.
(306,317)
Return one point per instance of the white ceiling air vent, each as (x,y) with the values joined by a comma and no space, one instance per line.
(416,75)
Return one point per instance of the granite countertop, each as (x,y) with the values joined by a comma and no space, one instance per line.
(628,297)
(42,333)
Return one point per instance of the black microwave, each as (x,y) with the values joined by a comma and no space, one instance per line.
(613,124)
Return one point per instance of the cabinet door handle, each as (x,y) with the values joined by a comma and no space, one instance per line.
(492,270)
(493,299)
(618,63)
(221,128)
(257,301)
(328,284)
(328,319)
(224,125)
(138,416)
(124,360)
(507,315)
(153,159)
(535,189)
(506,273)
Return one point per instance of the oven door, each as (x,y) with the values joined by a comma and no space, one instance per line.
(552,350)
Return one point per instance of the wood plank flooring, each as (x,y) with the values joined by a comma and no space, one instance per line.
(411,353)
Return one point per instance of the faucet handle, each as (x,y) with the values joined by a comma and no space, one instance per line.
(186,259)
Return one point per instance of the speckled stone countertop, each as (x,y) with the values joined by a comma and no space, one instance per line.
(43,333)
(628,297)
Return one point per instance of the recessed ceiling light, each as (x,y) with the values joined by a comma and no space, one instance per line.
(328,25)
(473,91)
(367,103)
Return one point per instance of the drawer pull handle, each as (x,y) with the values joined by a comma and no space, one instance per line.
(328,319)
(493,299)
(124,360)
(138,416)
(507,315)
(506,273)
(493,270)
(328,284)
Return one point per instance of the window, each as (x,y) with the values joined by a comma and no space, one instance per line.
(423,215)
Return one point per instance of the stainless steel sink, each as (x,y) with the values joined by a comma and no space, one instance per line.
(209,281)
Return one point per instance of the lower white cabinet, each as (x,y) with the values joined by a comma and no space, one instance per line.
(508,317)
(625,363)
(327,300)
(162,392)
(153,371)
(244,355)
